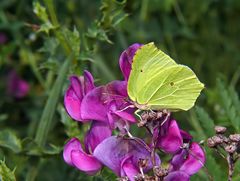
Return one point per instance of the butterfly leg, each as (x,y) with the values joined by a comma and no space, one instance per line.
(138,115)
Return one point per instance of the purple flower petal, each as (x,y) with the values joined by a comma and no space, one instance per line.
(195,160)
(93,106)
(16,86)
(73,144)
(89,81)
(177,176)
(105,100)
(85,162)
(172,140)
(97,133)
(74,155)
(78,88)
(113,150)
(189,160)
(186,136)
(3,38)
(128,169)
(72,104)
(126,59)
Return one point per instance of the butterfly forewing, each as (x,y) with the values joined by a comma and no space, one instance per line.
(147,58)
(158,82)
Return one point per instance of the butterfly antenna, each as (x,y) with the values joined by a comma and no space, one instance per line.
(138,115)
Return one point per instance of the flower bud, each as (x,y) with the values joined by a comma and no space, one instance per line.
(217,139)
(211,143)
(235,137)
(160,172)
(220,129)
(123,179)
(231,148)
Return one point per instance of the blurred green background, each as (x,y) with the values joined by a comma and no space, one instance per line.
(202,34)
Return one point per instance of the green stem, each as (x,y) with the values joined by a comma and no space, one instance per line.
(50,7)
(144,9)
(31,175)
(35,70)
(50,107)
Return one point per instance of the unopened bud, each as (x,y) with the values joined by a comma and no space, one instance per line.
(217,139)
(211,143)
(139,177)
(160,172)
(149,178)
(235,137)
(231,148)
(220,129)
(123,179)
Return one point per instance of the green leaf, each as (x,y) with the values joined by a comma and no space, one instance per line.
(33,149)
(5,173)
(46,27)
(230,103)
(8,139)
(112,13)
(71,127)
(206,122)
(214,168)
(73,38)
(40,11)
(95,32)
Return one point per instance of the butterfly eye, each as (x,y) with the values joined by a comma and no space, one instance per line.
(141,70)
(171,83)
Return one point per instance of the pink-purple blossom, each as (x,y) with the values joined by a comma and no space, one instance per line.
(82,158)
(75,93)
(16,86)
(107,108)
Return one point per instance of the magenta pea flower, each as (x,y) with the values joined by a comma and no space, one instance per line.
(75,93)
(189,160)
(123,156)
(16,86)
(126,59)
(177,176)
(108,104)
(83,159)
(171,138)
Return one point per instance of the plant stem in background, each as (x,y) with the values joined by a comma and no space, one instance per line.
(50,7)
(230,161)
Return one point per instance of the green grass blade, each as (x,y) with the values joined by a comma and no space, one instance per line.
(51,104)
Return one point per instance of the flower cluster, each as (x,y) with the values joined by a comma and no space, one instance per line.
(108,108)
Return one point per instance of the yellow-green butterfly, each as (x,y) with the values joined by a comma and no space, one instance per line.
(157,82)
